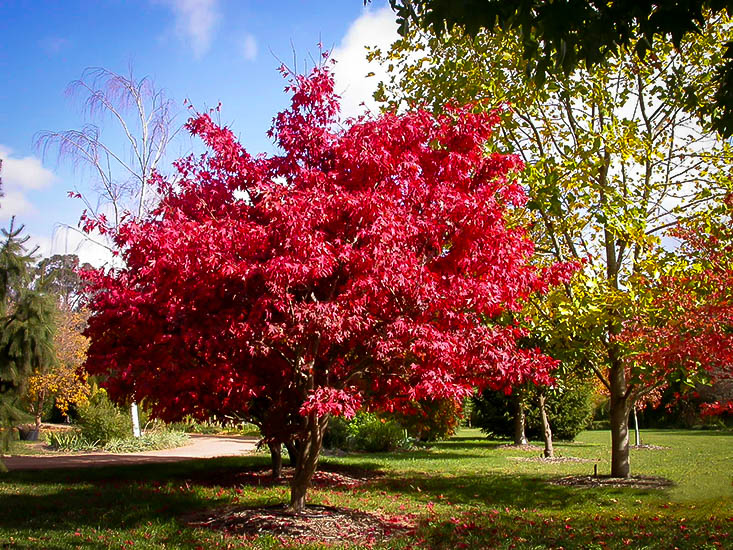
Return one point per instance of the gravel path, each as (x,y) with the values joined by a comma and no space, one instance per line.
(199,446)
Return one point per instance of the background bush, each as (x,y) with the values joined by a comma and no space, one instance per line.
(569,411)
(493,412)
(102,421)
(431,420)
(149,441)
(74,441)
(365,432)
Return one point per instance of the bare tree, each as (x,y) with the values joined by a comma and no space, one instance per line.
(143,122)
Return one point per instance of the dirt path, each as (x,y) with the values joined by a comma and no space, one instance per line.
(200,446)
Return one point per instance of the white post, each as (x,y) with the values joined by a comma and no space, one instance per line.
(135,420)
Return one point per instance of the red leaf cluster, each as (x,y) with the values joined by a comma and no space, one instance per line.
(368,262)
(688,331)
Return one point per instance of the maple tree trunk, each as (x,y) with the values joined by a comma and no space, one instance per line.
(309,451)
(520,437)
(292,448)
(276,458)
(546,429)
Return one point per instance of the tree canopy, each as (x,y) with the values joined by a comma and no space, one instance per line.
(684,320)
(560,36)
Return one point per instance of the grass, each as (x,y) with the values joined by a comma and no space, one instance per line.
(464,493)
(26,448)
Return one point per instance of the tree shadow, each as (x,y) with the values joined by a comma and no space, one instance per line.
(150,470)
(467,443)
(417,454)
(651,432)
(512,490)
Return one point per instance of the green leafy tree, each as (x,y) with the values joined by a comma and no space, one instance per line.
(26,328)
(561,36)
(59,275)
(502,415)
(613,159)
(568,409)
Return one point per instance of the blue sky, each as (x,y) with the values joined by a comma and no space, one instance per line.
(206,51)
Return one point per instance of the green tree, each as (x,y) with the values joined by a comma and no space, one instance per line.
(560,36)
(26,328)
(59,275)
(613,160)
(567,408)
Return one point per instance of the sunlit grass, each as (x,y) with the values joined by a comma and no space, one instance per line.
(466,492)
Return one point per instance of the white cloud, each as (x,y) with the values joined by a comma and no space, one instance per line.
(69,240)
(249,47)
(53,45)
(14,203)
(20,175)
(195,22)
(374,28)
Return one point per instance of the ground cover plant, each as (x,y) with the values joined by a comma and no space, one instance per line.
(73,441)
(467,492)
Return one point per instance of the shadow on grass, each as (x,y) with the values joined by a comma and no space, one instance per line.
(458,443)
(685,433)
(512,490)
(114,497)
(126,497)
(433,453)
(163,471)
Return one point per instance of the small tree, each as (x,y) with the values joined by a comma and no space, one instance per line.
(685,327)
(26,329)
(64,383)
(363,264)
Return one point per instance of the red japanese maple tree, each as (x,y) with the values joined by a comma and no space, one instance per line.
(366,265)
(686,332)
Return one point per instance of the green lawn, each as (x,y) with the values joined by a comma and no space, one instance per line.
(464,493)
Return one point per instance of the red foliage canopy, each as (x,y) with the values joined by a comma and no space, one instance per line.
(688,330)
(368,263)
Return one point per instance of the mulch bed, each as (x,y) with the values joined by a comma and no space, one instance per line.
(327,476)
(325,524)
(634,482)
(553,460)
(527,447)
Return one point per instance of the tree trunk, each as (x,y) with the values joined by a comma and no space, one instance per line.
(292,448)
(519,420)
(637,435)
(620,409)
(39,410)
(308,453)
(276,457)
(546,430)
